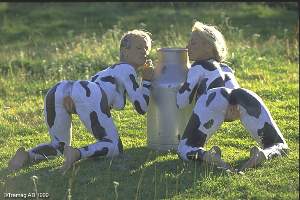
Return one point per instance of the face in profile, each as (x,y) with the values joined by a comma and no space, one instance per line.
(137,54)
(199,48)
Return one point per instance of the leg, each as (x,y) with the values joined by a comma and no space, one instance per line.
(207,117)
(257,119)
(94,112)
(59,127)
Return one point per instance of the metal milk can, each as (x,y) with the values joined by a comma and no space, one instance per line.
(165,122)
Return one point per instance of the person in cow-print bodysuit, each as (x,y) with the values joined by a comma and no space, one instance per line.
(92,101)
(219,98)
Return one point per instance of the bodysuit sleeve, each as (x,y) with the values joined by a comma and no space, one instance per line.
(138,94)
(187,91)
(230,79)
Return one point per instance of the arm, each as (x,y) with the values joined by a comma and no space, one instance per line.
(230,80)
(138,95)
(94,78)
(187,91)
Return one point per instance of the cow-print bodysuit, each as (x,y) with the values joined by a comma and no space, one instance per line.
(214,88)
(93,100)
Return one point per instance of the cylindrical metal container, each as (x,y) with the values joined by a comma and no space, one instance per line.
(165,122)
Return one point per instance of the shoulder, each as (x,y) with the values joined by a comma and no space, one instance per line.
(206,64)
(226,68)
(123,67)
(123,70)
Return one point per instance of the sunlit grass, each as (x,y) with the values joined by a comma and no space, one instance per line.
(43,44)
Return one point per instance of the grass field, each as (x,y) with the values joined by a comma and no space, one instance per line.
(43,43)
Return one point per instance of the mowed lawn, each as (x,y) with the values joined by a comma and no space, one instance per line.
(43,43)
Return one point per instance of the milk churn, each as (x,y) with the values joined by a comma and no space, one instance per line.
(165,122)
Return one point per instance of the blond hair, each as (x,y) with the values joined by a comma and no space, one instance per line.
(214,37)
(126,40)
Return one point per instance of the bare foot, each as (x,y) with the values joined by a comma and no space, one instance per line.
(213,156)
(20,158)
(71,156)
(257,156)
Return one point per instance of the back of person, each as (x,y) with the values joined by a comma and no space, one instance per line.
(230,80)
(110,80)
(92,101)
(219,99)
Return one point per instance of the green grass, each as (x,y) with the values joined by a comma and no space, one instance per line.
(44,43)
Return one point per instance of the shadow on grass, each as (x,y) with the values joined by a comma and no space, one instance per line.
(139,173)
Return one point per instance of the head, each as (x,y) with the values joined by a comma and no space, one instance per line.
(206,42)
(135,46)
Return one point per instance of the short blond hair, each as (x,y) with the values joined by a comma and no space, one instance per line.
(213,37)
(127,38)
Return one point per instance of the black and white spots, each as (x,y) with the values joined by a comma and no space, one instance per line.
(225,94)
(188,91)
(202,88)
(50,105)
(209,66)
(193,93)
(138,107)
(243,98)
(93,100)
(134,83)
(202,76)
(94,78)
(146,97)
(227,78)
(193,124)
(210,98)
(112,86)
(148,86)
(97,130)
(109,79)
(104,106)
(218,82)
(84,84)
(209,124)
(184,87)
(195,137)
(218,97)
(269,135)
(146,94)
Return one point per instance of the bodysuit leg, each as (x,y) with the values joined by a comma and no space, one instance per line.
(208,115)
(58,121)
(92,107)
(257,119)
